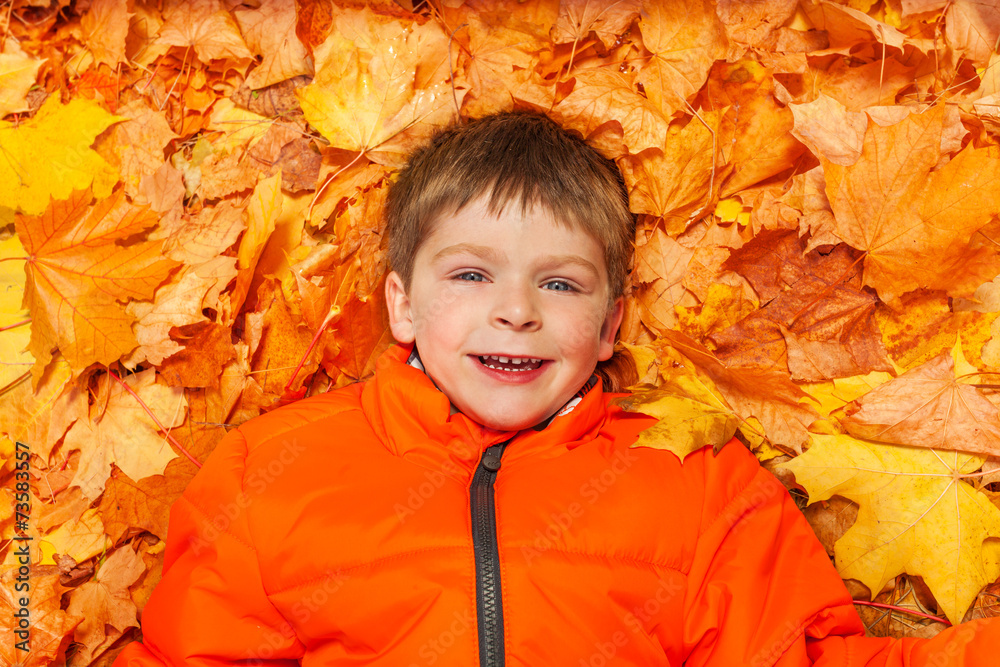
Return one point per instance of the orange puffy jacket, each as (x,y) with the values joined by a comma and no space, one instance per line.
(368,526)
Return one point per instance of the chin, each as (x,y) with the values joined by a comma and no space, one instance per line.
(508,424)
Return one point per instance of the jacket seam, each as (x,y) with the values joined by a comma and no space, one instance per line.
(256,554)
(624,559)
(263,442)
(721,513)
(356,566)
(226,531)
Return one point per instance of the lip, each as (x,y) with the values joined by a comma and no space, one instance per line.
(510,377)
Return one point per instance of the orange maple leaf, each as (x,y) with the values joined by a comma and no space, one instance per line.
(79,268)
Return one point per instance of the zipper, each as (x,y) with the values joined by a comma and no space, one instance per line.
(489,603)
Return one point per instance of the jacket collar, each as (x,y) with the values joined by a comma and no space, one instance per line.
(410,414)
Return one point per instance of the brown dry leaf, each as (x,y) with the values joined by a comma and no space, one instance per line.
(379,86)
(178,303)
(650,176)
(270,32)
(604,95)
(498,60)
(105,602)
(135,147)
(207,348)
(278,340)
(685,39)
(363,330)
(972,28)
(660,265)
(754,24)
(17,75)
(204,26)
(260,216)
(313,22)
(765,395)
(105,26)
(607,19)
(827,128)
(77,268)
(121,432)
(814,305)
(914,224)
(928,407)
(203,237)
(49,623)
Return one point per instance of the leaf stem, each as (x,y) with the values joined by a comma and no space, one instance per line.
(893,607)
(327,182)
(334,312)
(166,431)
(16,324)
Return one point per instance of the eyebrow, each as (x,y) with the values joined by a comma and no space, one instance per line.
(482,251)
(491,254)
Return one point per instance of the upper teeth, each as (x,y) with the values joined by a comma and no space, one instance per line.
(513,360)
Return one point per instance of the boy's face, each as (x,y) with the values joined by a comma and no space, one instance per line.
(509,287)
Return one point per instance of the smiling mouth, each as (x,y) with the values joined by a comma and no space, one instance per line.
(515,364)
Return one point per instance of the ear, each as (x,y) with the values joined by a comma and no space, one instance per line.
(400,312)
(609,328)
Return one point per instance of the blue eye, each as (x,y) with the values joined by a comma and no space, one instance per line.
(560,286)
(471,276)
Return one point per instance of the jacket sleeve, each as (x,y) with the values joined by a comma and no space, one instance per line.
(210,607)
(762,590)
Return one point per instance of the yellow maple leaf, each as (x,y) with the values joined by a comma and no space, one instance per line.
(50,155)
(377,88)
(15,360)
(917,515)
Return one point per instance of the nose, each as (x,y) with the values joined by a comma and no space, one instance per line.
(515,308)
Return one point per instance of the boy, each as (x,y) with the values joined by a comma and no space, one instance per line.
(477,501)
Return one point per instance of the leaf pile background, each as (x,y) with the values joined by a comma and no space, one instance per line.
(189,235)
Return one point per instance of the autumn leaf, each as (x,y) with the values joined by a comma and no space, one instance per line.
(765,395)
(915,222)
(49,623)
(602,96)
(685,39)
(816,318)
(17,75)
(105,27)
(270,31)
(120,431)
(106,602)
(142,505)
(367,95)
(928,406)
(202,25)
(15,360)
(578,18)
(692,414)
(917,515)
(50,155)
(76,269)
(648,174)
